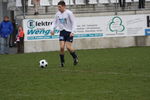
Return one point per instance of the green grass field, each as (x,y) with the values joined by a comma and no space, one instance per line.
(105,74)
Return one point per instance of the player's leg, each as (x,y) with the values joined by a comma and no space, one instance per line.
(62,40)
(72,52)
(69,47)
(62,50)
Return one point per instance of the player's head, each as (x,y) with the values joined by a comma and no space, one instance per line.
(6,18)
(61,6)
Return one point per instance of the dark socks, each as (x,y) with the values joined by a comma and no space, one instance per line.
(74,55)
(62,58)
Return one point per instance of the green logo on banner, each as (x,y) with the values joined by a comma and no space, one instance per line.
(116,25)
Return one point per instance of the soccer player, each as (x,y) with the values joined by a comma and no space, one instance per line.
(65,21)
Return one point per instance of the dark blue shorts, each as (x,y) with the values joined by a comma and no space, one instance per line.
(65,36)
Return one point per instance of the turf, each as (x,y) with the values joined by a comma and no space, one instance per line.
(105,74)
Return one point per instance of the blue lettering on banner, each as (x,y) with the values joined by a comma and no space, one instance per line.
(57,36)
(42,37)
(36,32)
(147,31)
(88,35)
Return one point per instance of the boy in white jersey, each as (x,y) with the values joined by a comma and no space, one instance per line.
(64,21)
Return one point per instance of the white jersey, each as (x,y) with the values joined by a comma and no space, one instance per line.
(64,21)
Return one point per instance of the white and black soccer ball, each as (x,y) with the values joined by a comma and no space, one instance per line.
(43,63)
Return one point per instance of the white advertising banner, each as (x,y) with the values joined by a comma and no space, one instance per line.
(37,29)
(91,27)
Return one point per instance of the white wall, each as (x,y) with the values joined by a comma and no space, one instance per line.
(95,43)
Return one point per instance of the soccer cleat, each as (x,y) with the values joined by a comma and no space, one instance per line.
(76,61)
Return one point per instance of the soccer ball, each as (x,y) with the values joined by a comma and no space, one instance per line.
(43,63)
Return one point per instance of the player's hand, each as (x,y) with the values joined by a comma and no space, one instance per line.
(52,33)
(71,35)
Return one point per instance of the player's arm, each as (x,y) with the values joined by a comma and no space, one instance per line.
(53,25)
(72,18)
